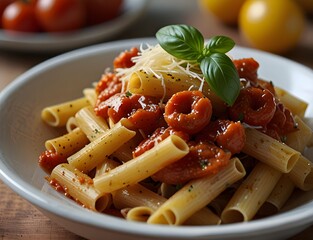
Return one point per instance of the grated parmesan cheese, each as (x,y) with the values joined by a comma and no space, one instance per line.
(155,60)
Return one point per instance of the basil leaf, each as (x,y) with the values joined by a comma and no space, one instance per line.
(222,76)
(219,44)
(182,41)
(187,43)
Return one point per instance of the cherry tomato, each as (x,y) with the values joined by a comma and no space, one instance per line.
(61,15)
(3,5)
(99,11)
(20,16)
(274,26)
(227,11)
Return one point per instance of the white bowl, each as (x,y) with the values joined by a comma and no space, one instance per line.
(22,134)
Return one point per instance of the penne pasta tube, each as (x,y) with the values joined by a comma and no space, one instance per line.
(139,214)
(137,196)
(71,124)
(96,151)
(80,187)
(296,105)
(107,165)
(166,84)
(309,122)
(197,194)
(220,202)
(166,152)
(203,217)
(270,151)
(125,152)
(302,174)
(278,196)
(91,124)
(298,140)
(167,190)
(57,115)
(91,95)
(67,144)
(251,194)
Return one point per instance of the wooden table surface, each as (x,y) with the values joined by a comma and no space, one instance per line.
(18,218)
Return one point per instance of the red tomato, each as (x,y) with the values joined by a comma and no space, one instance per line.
(20,16)
(61,15)
(99,11)
(3,5)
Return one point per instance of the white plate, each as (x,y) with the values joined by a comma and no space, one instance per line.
(22,136)
(47,42)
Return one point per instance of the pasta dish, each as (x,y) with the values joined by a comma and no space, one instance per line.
(180,133)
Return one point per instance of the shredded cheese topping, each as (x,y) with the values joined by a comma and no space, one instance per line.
(155,60)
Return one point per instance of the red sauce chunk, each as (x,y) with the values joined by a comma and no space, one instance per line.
(254,106)
(57,186)
(202,160)
(50,159)
(108,86)
(158,136)
(124,60)
(143,112)
(228,135)
(247,68)
(188,111)
(281,124)
(258,106)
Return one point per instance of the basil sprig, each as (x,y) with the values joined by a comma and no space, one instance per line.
(187,43)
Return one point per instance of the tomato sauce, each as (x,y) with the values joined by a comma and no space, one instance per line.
(202,160)
(158,136)
(226,134)
(124,60)
(188,111)
(247,68)
(143,112)
(257,104)
(253,106)
(50,159)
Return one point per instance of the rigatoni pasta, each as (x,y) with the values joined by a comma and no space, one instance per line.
(67,144)
(57,115)
(168,151)
(95,152)
(79,186)
(196,195)
(251,194)
(278,197)
(270,151)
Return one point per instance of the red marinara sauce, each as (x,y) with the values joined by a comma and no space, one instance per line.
(50,159)
(257,104)
(143,112)
(124,60)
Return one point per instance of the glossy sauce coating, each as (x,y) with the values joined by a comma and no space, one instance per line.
(247,68)
(253,106)
(188,111)
(202,160)
(158,136)
(227,134)
(142,111)
(50,159)
(124,60)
